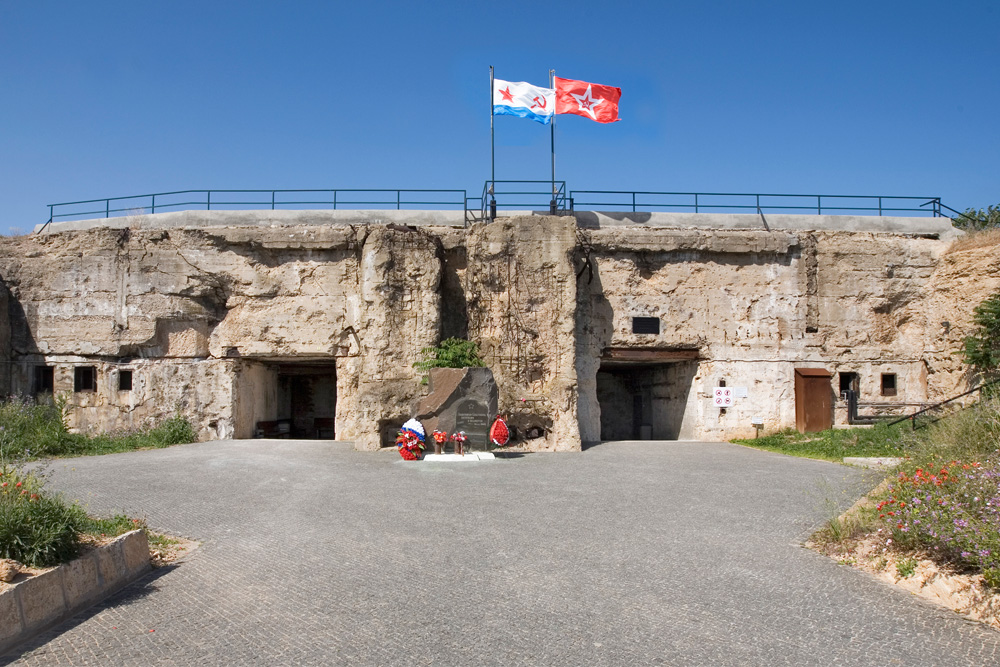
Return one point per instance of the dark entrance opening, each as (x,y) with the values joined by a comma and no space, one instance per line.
(643,400)
(307,399)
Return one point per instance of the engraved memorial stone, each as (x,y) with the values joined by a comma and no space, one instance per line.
(473,417)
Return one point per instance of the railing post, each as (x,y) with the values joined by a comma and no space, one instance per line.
(758,203)
(152,206)
(208,200)
(272,200)
(880,207)
(696,202)
(633,202)
(50,212)
(819,205)
(334,200)
(397,200)
(107,208)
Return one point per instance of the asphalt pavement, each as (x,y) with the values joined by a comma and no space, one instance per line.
(640,553)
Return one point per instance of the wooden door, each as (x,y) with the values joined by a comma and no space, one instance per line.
(813,400)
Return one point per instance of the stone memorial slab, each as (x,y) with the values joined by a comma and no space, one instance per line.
(460,399)
(473,417)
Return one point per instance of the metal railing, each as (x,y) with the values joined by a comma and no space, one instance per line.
(726,202)
(260,199)
(505,194)
(925,412)
(530,195)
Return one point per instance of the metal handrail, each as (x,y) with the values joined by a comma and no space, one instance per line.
(554,193)
(913,417)
(147,202)
(696,202)
(531,194)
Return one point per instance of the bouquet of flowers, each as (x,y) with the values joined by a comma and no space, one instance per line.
(410,440)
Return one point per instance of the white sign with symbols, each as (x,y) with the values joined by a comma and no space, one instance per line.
(722,397)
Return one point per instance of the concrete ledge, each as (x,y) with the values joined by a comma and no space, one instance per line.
(448,458)
(872,461)
(28,607)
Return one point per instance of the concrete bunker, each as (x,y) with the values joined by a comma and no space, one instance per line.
(307,399)
(644,394)
(278,398)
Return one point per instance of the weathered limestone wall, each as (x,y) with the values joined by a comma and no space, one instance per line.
(211,319)
(200,300)
(521,292)
(963,279)
(255,396)
(756,305)
(400,279)
(5,355)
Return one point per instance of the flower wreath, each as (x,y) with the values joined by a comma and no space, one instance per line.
(410,440)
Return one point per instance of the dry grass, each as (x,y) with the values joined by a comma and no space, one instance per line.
(981,239)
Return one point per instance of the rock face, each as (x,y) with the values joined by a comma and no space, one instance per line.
(593,327)
(459,399)
(5,355)
(8,570)
(522,311)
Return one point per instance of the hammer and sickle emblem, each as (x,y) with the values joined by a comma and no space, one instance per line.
(538,102)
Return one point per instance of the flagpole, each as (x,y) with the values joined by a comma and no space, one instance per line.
(493,162)
(553,204)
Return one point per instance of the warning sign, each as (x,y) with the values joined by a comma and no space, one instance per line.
(723,397)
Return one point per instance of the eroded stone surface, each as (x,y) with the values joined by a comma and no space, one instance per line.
(233,325)
(444,408)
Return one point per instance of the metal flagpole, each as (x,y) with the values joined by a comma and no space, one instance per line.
(493,162)
(553,203)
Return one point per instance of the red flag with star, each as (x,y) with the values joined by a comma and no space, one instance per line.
(590,100)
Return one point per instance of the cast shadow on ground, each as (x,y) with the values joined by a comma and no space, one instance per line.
(133,592)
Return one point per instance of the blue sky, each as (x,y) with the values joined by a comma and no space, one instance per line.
(104,99)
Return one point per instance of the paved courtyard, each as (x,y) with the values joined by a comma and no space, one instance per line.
(627,553)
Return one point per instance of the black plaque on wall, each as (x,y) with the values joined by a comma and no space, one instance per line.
(473,417)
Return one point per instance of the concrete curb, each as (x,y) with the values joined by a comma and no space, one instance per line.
(35,604)
(872,461)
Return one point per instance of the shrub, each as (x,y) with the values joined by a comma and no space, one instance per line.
(975,219)
(36,528)
(451,353)
(982,346)
(29,430)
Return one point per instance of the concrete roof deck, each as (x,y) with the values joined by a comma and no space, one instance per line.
(934,227)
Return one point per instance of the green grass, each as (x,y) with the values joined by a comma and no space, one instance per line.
(835,444)
(41,529)
(942,502)
(32,431)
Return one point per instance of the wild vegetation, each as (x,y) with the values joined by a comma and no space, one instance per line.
(30,430)
(943,500)
(40,528)
(973,219)
(835,444)
(451,353)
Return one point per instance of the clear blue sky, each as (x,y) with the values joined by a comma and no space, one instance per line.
(102,99)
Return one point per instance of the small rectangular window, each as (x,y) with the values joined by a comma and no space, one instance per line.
(84,378)
(888,384)
(645,325)
(849,382)
(124,380)
(43,382)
